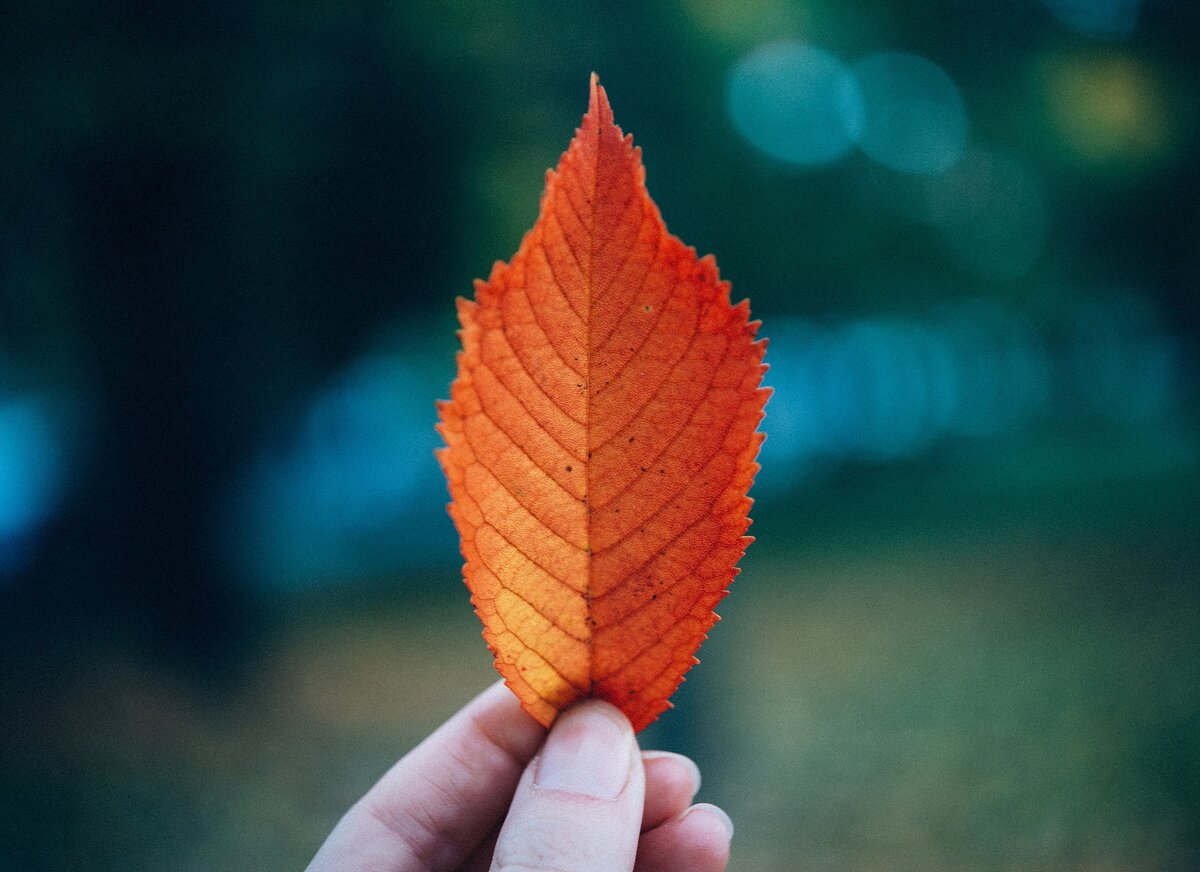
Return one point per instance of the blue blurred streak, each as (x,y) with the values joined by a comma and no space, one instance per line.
(31,475)
(1122,361)
(357,493)
(875,390)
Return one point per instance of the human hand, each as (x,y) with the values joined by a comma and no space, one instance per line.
(490,790)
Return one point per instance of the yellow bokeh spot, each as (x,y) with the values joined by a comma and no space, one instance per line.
(1108,108)
(748,21)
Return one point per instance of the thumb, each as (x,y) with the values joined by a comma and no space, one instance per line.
(578,807)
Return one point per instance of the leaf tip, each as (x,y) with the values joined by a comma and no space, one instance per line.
(598,105)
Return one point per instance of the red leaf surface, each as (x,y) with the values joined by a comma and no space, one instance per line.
(600,440)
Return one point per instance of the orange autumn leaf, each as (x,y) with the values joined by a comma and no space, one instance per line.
(601,438)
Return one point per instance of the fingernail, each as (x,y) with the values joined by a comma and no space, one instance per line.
(677,760)
(716,812)
(587,752)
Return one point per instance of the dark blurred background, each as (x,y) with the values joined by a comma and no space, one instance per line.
(230,242)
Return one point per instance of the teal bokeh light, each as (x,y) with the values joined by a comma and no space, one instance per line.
(914,118)
(796,102)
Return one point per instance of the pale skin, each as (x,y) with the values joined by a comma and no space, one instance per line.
(490,789)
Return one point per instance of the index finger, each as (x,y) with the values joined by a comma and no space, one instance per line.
(437,803)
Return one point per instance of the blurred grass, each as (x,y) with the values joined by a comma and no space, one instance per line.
(1006,707)
(971,705)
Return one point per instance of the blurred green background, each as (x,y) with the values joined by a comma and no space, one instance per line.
(232,235)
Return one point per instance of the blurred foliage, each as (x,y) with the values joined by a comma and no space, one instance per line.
(231,234)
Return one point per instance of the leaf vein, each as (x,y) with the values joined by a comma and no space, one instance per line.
(675,437)
(538,321)
(611,239)
(640,285)
(619,375)
(651,394)
(525,554)
(527,410)
(550,620)
(491,420)
(525,508)
(554,273)
(666,502)
(544,658)
(653,678)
